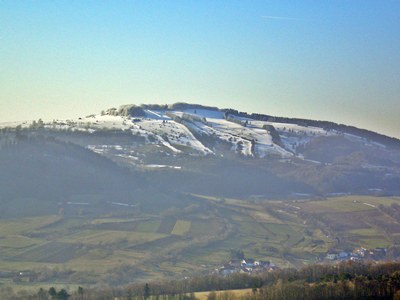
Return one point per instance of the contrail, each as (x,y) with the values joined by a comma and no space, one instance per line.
(281,18)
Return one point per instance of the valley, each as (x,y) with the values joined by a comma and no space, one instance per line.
(74,248)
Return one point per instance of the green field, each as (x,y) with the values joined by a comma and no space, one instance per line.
(110,237)
(348,203)
(181,227)
(194,239)
(228,294)
(148,226)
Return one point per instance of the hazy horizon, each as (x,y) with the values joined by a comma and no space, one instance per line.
(336,61)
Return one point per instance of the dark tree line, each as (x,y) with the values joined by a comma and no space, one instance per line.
(327,125)
(346,280)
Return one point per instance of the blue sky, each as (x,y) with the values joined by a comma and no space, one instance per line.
(328,60)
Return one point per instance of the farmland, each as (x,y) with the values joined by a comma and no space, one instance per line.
(234,293)
(192,239)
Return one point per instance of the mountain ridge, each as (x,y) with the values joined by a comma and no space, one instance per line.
(125,110)
(183,143)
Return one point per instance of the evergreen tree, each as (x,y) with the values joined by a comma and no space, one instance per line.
(52,292)
(146,291)
(62,295)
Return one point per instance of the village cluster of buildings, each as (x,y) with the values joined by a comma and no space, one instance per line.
(246,265)
(358,254)
(250,265)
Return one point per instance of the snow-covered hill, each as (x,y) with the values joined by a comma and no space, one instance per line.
(227,151)
(198,130)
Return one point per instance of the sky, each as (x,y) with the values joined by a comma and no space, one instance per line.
(324,60)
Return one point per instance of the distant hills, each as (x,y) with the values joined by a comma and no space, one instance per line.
(151,151)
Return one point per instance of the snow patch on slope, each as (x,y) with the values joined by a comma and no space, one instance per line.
(172,133)
(248,140)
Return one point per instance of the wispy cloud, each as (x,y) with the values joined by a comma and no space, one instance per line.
(281,18)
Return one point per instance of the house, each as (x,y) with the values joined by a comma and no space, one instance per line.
(262,263)
(343,255)
(361,251)
(245,270)
(248,263)
(331,256)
